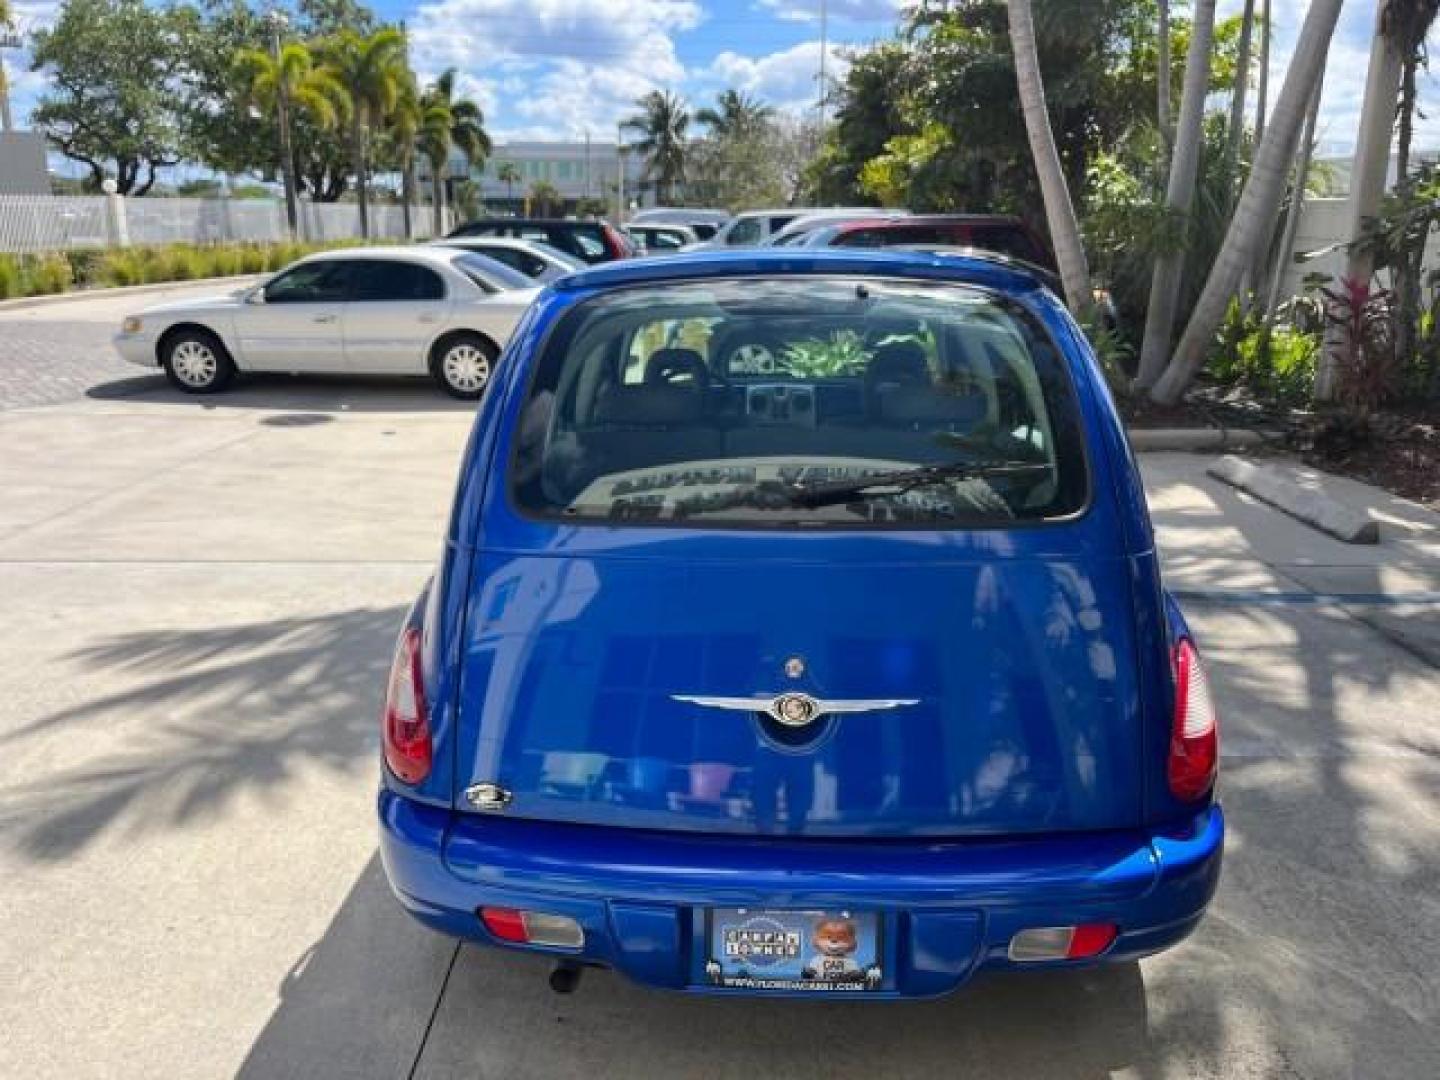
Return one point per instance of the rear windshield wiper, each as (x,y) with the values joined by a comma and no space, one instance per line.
(885,484)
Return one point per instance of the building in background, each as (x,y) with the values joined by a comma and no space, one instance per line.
(22,164)
(578,171)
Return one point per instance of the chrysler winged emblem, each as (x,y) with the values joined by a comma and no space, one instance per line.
(795,710)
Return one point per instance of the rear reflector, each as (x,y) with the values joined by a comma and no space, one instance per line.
(1062,942)
(533,928)
(1195,735)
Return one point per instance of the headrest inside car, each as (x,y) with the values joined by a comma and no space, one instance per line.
(676,366)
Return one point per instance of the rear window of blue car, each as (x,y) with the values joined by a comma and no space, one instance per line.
(799,402)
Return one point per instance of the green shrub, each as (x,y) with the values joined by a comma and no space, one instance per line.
(49,274)
(121,267)
(10,279)
(225,261)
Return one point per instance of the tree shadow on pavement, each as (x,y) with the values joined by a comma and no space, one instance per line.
(201,717)
(1331,785)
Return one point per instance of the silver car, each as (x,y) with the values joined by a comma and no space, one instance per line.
(537,261)
(434,311)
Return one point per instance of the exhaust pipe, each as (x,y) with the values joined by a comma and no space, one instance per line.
(565,977)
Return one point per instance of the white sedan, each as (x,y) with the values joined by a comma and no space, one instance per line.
(532,258)
(374,311)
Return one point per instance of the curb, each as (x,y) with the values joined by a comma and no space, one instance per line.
(123,290)
(1185,439)
(1309,505)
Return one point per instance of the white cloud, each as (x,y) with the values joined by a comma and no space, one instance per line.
(887,11)
(789,79)
(554,69)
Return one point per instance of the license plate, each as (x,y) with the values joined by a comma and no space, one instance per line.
(816,951)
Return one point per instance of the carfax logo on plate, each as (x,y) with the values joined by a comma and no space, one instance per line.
(762,941)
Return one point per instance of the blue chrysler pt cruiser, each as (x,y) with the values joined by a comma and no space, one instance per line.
(799,630)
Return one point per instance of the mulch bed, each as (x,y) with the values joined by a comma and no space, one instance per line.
(1402,455)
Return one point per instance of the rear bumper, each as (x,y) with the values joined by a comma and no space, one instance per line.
(949,908)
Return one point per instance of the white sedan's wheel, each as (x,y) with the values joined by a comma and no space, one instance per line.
(463,366)
(196,362)
(753,358)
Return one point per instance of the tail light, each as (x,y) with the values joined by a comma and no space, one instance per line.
(1062,942)
(533,928)
(407,722)
(1195,737)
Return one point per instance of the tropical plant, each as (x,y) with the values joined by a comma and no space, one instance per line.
(288,83)
(660,128)
(1366,373)
(735,114)
(843,353)
(1055,192)
(1259,202)
(373,71)
(508,173)
(545,199)
(450,121)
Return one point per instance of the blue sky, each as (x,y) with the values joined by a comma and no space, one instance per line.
(552,69)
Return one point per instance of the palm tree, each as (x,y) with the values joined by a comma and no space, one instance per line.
(1259,201)
(1059,210)
(7,22)
(402,129)
(544,198)
(1179,194)
(508,174)
(661,125)
(450,121)
(373,71)
(1162,72)
(286,82)
(1367,174)
(736,114)
(1235,130)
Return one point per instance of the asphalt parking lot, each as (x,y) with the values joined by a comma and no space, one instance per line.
(200,597)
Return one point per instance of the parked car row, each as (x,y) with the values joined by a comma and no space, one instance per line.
(447,308)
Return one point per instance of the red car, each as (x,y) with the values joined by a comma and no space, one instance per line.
(989,232)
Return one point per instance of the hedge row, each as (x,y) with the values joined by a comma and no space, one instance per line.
(57,272)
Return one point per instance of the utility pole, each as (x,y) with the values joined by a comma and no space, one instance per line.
(10,38)
(278,22)
(820,104)
(620,174)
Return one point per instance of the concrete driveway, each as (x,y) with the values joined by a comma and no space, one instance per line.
(200,599)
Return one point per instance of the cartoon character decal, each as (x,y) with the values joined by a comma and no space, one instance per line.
(835,942)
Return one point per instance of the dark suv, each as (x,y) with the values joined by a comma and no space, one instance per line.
(592,241)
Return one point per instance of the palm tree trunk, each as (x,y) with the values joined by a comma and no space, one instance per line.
(437,198)
(357,153)
(287,160)
(1179,195)
(1297,201)
(1236,130)
(1367,179)
(407,191)
(1059,210)
(1259,201)
(1162,74)
(1262,91)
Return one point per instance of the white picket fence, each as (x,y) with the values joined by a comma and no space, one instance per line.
(35,223)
